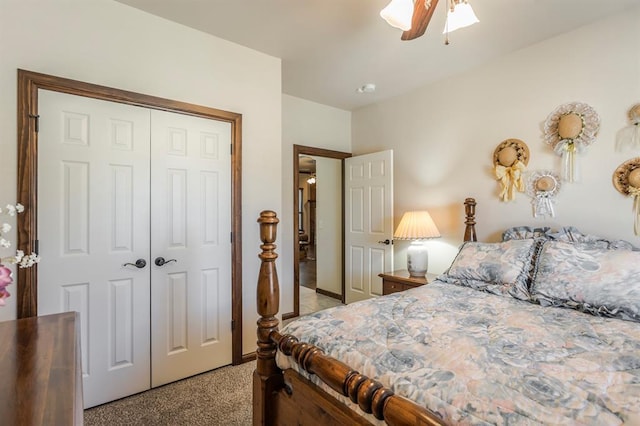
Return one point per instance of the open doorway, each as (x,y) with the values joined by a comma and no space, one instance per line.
(307,180)
(318,231)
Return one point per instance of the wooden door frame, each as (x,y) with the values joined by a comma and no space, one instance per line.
(316,152)
(27,192)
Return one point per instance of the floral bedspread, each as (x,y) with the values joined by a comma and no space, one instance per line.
(478,358)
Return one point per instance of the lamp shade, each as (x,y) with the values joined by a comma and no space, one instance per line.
(398,13)
(416,225)
(460,16)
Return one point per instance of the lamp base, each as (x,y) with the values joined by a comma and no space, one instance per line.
(417,259)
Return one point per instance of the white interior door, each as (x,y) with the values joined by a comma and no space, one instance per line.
(191,231)
(119,184)
(369,223)
(93,217)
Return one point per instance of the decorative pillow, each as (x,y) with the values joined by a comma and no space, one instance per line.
(567,234)
(524,232)
(589,278)
(499,268)
(572,235)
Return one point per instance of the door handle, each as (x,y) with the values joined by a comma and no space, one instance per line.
(160,261)
(385,242)
(140,263)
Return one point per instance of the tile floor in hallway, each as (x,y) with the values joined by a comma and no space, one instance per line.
(310,301)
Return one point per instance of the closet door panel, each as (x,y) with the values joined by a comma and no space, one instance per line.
(191,229)
(93,217)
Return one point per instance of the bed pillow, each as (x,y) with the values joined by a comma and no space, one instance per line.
(524,232)
(572,235)
(566,233)
(587,277)
(498,268)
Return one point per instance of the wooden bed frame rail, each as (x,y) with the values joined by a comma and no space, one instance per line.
(288,398)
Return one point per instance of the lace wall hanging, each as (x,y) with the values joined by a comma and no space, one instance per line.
(570,129)
(542,187)
(628,138)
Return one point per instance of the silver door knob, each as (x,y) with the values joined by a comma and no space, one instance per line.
(160,261)
(140,263)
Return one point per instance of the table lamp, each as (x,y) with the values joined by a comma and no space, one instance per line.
(417,226)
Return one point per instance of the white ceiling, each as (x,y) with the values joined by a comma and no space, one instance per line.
(329,48)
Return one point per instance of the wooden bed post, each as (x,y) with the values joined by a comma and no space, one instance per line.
(470,220)
(267,378)
(290,398)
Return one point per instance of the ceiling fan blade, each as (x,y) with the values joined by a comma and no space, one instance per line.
(420,19)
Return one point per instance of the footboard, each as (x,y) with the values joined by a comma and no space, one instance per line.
(283,398)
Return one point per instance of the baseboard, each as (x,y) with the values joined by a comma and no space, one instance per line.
(289,315)
(329,294)
(249,357)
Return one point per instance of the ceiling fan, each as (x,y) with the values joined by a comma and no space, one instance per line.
(413,16)
(422,13)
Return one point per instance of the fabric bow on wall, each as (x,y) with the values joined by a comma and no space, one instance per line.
(635,193)
(570,167)
(510,179)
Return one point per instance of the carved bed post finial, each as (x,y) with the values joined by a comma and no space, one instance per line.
(470,220)
(268,293)
(267,376)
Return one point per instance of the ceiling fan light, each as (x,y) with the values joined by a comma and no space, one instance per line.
(398,14)
(461,16)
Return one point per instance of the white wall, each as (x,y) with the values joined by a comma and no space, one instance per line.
(329,224)
(444,135)
(310,124)
(108,43)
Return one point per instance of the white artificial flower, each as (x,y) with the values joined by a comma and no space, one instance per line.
(19,255)
(19,259)
(29,260)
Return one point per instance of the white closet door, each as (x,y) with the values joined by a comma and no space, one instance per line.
(191,229)
(93,217)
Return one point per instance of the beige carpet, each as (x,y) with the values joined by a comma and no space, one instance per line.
(219,397)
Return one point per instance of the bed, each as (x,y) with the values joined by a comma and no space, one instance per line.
(541,328)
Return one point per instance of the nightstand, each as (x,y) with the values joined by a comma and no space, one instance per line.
(396,281)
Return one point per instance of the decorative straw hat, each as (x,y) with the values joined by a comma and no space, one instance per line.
(627,175)
(629,136)
(576,122)
(543,182)
(509,151)
(542,187)
(634,114)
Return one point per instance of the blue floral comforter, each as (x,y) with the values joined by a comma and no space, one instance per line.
(478,358)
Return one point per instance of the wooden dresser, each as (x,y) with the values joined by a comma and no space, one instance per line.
(396,281)
(40,371)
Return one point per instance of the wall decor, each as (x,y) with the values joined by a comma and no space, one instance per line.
(626,179)
(542,187)
(20,259)
(510,159)
(570,129)
(628,137)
